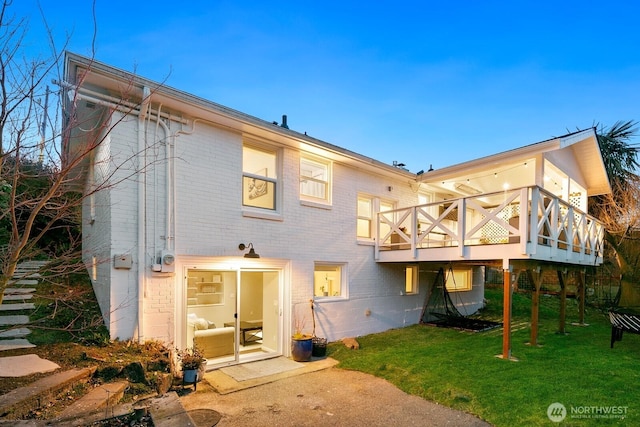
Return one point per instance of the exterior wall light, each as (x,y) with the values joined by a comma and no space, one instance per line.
(252,253)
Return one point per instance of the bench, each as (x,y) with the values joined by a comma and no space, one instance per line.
(623,320)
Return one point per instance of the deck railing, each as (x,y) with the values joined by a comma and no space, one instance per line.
(493,219)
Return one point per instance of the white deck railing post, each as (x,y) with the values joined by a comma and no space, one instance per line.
(524,219)
(462,229)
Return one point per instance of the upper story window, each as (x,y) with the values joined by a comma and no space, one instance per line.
(259,177)
(367,206)
(365,217)
(315,179)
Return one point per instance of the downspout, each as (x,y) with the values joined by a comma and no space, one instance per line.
(169,193)
(146,97)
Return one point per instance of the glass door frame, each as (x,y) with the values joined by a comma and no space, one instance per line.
(239,265)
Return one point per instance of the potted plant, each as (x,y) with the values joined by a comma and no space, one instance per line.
(301,343)
(192,360)
(319,345)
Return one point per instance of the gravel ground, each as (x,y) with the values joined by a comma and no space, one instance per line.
(331,397)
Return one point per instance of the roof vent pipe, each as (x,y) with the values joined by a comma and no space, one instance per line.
(284,122)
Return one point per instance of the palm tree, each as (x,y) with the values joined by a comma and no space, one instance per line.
(620,157)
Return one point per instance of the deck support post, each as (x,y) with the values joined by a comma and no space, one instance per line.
(535,276)
(506,314)
(581,295)
(562,278)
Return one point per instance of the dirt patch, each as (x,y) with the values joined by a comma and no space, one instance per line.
(142,365)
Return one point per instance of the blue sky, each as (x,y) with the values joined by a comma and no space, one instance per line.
(418,82)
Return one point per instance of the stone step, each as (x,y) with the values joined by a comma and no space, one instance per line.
(26,272)
(15,333)
(23,282)
(12,291)
(17,297)
(16,319)
(26,364)
(105,395)
(34,262)
(17,403)
(167,411)
(17,306)
(14,344)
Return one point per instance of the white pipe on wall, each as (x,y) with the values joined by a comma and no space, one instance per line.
(169,188)
(146,100)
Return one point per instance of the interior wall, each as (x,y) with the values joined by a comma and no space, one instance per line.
(218,313)
(251,296)
(270,310)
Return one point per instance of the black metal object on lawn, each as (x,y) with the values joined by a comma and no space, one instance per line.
(623,320)
(439,310)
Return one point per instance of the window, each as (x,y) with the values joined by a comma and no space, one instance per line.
(459,280)
(315,179)
(411,280)
(385,206)
(366,219)
(328,281)
(259,178)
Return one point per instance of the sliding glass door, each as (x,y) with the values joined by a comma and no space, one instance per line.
(234,315)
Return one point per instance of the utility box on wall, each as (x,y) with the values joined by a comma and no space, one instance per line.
(122,262)
(167,261)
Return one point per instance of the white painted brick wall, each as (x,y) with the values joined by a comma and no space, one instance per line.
(210,223)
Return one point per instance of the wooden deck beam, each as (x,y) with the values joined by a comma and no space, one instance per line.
(506,315)
(536,278)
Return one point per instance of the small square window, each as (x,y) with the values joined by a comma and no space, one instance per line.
(328,281)
(459,280)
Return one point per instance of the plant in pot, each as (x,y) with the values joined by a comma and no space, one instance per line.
(192,360)
(301,343)
(319,345)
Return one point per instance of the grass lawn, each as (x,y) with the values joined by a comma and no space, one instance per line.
(459,369)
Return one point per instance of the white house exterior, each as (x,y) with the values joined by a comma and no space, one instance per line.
(174,184)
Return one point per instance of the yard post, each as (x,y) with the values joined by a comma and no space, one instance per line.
(581,295)
(536,278)
(506,314)
(562,276)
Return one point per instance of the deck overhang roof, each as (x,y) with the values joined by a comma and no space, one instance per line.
(583,145)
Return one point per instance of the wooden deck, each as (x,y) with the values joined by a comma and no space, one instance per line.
(491,227)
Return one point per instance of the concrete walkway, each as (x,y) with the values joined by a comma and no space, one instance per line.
(320,394)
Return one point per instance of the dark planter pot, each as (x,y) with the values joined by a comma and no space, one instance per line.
(190,376)
(319,347)
(301,349)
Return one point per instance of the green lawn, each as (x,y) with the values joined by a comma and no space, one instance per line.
(461,370)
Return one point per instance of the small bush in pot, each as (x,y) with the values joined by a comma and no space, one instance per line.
(191,358)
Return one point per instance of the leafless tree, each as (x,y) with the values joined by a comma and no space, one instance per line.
(619,212)
(37,208)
